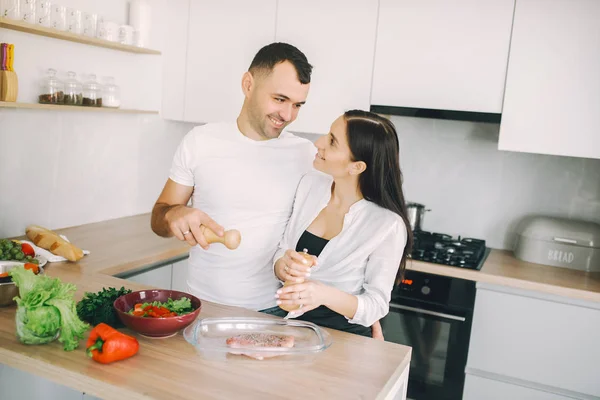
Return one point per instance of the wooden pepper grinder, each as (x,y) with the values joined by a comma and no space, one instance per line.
(310,261)
(231,239)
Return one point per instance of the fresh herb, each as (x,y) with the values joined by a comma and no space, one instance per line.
(95,308)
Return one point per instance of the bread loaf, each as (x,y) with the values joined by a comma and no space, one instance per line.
(49,240)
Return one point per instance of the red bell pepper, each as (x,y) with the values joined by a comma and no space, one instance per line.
(106,344)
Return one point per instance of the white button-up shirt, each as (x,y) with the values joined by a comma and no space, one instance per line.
(362,259)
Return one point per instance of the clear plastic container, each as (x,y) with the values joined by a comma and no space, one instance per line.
(27,8)
(111,96)
(74,24)
(43,13)
(210,336)
(59,17)
(52,89)
(92,92)
(73,90)
(10,9)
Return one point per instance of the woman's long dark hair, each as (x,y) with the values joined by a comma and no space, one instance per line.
(373,140)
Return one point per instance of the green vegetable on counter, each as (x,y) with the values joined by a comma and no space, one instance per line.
(95,308)
(46,310)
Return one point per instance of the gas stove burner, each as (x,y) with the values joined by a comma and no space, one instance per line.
(440,248)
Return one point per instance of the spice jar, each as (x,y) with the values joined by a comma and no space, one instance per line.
(27,11)
(92,92)
(52,89)
(73,90)
(10,9)
(111,96)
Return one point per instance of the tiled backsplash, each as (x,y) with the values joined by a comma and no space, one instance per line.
(475,190)
(61,169)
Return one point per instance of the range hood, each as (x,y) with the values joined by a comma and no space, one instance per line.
(437,114)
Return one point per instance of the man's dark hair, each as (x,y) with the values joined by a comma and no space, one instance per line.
(272,54)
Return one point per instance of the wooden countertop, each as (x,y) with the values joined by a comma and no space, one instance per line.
(119,254)
(353,367)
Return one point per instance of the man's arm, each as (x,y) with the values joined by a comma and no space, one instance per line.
(171,216)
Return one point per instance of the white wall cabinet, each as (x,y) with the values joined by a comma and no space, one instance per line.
(553,85)
(179,276)
(338,38)
(174,53)
(541,339)
(438,54)
(223,37)
(20,385)
(477,388)
(157,277)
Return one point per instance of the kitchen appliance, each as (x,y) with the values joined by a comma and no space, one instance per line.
(415,213)
(433,314)
(440,248)
(559,242)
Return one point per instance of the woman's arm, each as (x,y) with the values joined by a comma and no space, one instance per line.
(367,307)
(380,275)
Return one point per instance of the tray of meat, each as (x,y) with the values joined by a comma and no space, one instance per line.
(257,339)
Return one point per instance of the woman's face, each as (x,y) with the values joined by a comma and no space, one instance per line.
(333,155)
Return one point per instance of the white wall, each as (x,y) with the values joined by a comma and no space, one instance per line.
(61,168)
(475,190)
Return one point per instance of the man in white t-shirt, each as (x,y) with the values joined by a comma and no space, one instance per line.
(244,175)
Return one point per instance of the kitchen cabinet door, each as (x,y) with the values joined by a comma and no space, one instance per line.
(439,54)
(20,385)
(477,388)
(159,277)
(179,276)
(174,53)
(540,339)
(338,38)
(223,37)
(553,82)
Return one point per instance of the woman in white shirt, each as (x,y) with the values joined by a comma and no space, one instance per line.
(351,214)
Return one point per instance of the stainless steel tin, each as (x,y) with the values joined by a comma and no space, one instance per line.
(416,214)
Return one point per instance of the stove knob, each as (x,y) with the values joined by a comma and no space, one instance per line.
(425,290)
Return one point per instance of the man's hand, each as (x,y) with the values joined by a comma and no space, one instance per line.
(184,222)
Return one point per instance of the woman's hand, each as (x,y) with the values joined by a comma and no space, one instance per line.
(293,267)
(309,294)
(376,331)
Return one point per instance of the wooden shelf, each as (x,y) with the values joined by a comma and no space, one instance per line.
(53,33)
(59,107)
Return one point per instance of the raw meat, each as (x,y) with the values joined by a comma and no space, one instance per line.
(265,340)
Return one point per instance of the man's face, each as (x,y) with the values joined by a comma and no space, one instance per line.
(275,99)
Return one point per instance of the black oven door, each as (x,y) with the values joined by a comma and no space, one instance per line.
(439,338)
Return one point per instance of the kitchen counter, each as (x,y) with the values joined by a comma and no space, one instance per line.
(353,367)
(119,255)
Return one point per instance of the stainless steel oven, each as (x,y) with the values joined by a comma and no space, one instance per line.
(433,315)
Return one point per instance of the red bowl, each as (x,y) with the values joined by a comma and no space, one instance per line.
(155,327)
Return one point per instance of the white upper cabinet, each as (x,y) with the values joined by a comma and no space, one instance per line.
(174,58)
(338,38)
(440,54)
(552,102)
(223,37)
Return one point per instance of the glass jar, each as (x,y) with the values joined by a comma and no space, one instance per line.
(27,11)
(111,96)
(43,13)
(74,21)
(92,92)
(10,9)
(52,89)
(59,17)
(73,90)
(90,24)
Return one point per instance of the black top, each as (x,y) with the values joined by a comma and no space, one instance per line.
(312,243)
(322,315)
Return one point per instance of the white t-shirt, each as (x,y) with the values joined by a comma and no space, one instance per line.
(246,185)
(362,259)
